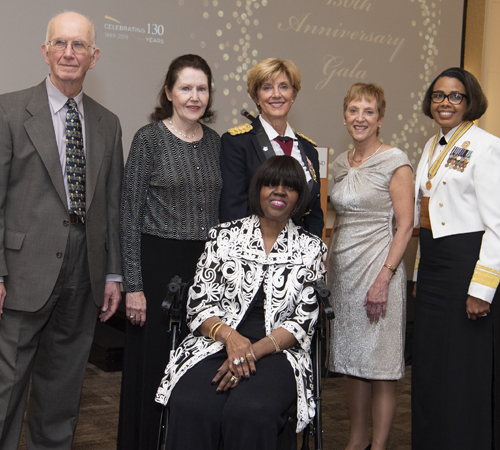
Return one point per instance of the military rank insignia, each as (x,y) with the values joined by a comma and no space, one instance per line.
(240,129)
(459,157)
(311,170)
(306,138)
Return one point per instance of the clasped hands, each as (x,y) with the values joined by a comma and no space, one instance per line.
(240,362)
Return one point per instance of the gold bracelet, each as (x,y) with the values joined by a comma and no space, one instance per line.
(227,337)
(273,339)
(210,333)
(216,328)
(212,328)
(214,333)
(391,268)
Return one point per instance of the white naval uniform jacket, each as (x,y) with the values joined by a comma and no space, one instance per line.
(468,201)
(228,276)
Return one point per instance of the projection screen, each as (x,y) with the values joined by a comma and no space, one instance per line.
(399,44)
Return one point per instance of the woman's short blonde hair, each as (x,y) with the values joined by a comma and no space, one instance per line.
(270,69)
(367,91)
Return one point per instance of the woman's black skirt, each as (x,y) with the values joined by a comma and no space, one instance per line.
(452,372)
(147,348)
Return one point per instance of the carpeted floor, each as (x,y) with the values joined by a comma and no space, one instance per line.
(100,401)
(336,415)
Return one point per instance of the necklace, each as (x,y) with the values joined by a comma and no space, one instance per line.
(368,157)
(181,133)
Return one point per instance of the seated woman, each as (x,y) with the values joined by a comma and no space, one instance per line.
(252,315)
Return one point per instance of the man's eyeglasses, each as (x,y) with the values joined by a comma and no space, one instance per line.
(79,47)
(455,98)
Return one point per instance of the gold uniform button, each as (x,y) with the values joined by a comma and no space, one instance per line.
(440,204)
(444,182)
(442,223)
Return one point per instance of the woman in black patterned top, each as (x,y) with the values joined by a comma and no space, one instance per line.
(170,200)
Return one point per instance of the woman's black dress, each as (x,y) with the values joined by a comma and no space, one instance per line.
(453,356)
(248,417)
(147,348)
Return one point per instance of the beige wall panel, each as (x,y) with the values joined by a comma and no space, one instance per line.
(474,37)
(491,67)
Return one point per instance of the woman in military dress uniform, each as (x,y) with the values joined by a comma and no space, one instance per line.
(458,270)
(273,85)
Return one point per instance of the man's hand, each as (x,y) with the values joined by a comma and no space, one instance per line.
(112,297)
(3,294)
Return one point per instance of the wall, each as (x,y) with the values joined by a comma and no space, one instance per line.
(482,37)
(490,73)
(399,44)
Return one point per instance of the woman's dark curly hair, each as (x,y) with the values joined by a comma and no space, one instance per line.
(165,109)
(476,100)
(284,170)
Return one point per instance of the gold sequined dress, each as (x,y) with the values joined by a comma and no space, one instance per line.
(363,236)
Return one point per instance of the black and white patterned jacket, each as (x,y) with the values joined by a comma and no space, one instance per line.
(229,274)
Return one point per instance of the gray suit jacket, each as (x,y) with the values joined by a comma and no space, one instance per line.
(33,208)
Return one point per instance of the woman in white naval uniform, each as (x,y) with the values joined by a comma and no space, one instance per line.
(458,269)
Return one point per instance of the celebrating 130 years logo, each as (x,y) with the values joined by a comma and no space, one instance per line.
(151,32)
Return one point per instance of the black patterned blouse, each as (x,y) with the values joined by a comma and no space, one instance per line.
(171,189)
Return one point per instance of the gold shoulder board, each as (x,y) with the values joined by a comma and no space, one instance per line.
(240,129)
(306,138)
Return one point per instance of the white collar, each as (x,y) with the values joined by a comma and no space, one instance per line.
(57,99)
(272,133)
(449,134)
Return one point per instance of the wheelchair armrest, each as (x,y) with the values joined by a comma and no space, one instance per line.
(323,293)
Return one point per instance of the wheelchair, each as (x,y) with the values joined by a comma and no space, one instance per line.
(174,306)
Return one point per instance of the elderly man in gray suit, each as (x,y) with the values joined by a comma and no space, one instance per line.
(61,166)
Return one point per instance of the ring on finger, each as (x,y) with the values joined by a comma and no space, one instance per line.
(234,379)
(131,317)
(242,360)
(248,355)
(236,361)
